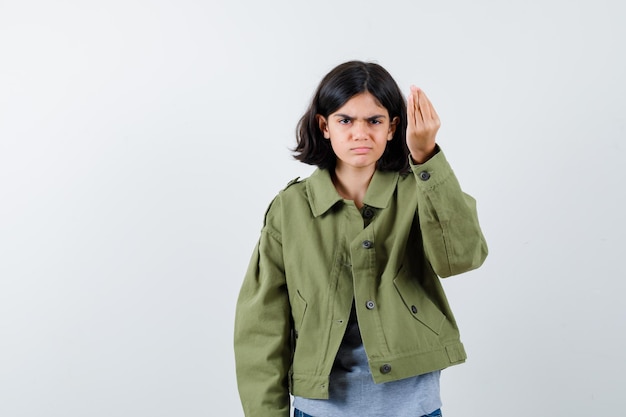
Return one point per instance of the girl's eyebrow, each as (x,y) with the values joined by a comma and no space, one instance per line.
(345,116)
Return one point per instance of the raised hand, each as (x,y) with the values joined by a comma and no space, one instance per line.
(423,124)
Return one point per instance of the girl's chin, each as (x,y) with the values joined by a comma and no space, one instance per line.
(355,163)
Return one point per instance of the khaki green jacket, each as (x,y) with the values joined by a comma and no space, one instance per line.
(318,253)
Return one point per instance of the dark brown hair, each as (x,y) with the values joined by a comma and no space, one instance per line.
(336,88)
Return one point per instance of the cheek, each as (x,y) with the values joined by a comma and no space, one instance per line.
(335,146)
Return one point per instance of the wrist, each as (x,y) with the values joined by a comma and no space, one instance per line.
(420,156)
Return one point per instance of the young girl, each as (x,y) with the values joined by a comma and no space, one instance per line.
(341,305)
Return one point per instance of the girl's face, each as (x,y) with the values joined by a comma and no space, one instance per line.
(358,132)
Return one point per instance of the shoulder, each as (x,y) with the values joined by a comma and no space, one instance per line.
(288,210)
(294,189)
(297,187)
(292,182)
(291,195)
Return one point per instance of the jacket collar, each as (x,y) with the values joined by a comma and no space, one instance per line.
(323,195)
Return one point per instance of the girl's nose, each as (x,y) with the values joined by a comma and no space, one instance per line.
(360,130)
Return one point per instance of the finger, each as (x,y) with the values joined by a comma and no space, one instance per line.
(429,109)
(411,107)
(419,116)
(426,107)
(434,112)
(434,117)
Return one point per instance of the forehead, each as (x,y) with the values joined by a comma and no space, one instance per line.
(364,105)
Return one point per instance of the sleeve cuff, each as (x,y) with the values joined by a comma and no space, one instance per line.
(432,172)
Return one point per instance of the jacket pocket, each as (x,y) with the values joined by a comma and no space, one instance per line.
(298,310)
(417,302)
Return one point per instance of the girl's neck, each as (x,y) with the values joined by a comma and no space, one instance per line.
(351,184)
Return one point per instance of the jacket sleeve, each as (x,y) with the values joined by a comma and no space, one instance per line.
(453,240)
(263,328)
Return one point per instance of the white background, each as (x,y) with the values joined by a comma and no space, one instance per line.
(141,141)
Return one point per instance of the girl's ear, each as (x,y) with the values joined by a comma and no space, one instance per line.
(392,127)
(323,125)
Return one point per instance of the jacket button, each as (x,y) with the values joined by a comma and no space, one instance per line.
(367,244)
(424,176)
(368,212)
(414,309)
(370,305)
(385,369)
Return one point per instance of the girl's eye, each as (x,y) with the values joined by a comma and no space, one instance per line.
(375,122)
(344,121)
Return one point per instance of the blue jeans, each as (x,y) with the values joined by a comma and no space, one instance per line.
(298,413)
